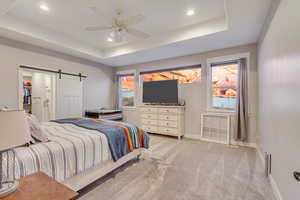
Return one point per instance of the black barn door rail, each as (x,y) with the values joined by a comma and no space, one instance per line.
(60,72)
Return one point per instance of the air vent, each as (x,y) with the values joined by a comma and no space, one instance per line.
(268,164)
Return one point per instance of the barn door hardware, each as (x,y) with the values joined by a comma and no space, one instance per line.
(59,72)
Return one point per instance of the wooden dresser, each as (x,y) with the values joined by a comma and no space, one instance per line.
(165,120)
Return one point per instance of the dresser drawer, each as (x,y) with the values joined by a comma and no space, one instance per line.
(168,110)
(169,131)
(168,117)
(149,122)
(171,124)
(151,129)
(149,116)
(148,110)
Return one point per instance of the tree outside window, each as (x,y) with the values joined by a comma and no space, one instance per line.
(224,78)
(182,75)
(127,90)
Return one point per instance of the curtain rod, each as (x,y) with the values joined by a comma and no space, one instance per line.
(60,72)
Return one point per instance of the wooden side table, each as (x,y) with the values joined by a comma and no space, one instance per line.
(39,186)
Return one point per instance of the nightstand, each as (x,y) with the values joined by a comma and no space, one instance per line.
(39,186)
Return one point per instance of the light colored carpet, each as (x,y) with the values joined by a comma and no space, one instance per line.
(186,170)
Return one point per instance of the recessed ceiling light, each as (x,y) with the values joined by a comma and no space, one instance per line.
(109,39)
(190,12)
(44,7)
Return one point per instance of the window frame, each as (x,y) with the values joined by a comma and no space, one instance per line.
(212,87)
(123,74)
(221,60)
(169,70)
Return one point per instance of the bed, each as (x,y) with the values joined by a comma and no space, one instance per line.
(77,154)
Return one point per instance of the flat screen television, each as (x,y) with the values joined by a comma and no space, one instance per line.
(160,92)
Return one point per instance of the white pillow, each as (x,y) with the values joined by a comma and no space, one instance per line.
(36,130)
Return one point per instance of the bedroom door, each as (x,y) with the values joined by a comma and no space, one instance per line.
(38,95)
(69,97)
(43,96)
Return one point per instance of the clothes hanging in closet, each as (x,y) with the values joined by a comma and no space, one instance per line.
(27,95)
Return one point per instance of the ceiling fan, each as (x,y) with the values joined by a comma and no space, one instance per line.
(120,26)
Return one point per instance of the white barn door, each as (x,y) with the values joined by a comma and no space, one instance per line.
(69,97)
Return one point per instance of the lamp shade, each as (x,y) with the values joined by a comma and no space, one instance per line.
(14,129)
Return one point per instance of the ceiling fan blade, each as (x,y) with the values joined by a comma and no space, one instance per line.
(100,14)
(134,20)
(137,33)
(97,28)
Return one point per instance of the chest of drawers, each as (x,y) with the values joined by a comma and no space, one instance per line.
(165,120)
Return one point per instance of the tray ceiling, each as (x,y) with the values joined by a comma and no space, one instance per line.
(61,25)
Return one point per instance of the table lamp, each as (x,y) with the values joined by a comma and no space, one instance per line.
(13,132)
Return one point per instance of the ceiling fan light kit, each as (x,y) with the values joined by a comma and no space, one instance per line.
(190,12)
(118,35)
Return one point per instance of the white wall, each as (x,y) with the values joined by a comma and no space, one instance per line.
(279,108)
(97,87)
(195,94)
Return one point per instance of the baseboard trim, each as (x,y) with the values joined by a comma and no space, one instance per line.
(243,144)
(273,183)
(192,136)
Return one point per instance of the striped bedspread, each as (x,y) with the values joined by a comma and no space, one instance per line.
(122,137)
(71,150)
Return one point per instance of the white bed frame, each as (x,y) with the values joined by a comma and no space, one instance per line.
(87,177)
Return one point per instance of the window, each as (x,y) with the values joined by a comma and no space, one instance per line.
(223,85)
(188,74)
(126,90)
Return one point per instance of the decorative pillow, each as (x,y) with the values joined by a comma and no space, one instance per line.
(36,130)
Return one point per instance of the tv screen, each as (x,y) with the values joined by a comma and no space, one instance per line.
(165,92)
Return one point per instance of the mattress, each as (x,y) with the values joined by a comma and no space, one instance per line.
(104,114)
(117,116)
(71,150)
